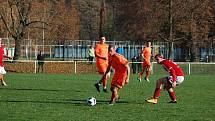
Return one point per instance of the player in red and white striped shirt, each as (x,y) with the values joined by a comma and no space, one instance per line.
(176,77)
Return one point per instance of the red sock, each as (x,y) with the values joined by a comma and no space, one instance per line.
(172,95)
(157,93)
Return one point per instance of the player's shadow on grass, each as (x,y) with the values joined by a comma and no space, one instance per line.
(74,102)
(29,89)
(97,101)
(43,102)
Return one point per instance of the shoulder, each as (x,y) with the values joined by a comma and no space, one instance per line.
(148,48)
(168,62)
(106,45)
(121,57)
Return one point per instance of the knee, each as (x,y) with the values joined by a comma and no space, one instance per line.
(113,89)
(170,90)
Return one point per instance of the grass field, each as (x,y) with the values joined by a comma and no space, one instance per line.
(58,97)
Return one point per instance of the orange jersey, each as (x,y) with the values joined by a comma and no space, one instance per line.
(118,62)
(101,50)
(147,53)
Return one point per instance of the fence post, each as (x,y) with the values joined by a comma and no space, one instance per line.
(75,67)
(189,69)
(152,67)
(35,65)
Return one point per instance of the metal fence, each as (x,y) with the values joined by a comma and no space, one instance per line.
(78,50)
(78,67)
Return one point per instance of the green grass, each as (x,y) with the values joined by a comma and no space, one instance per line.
(58,97)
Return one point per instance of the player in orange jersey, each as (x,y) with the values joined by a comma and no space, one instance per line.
(146,65)
(121,74)
(101,54)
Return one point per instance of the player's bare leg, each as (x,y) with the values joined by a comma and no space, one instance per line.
(148,72)
(115,95)
(3,83)
(104,82)
(141,75)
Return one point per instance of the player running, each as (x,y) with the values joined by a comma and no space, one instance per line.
(176,77)
(146,65)
(2,70)
(121,74)
(101,54)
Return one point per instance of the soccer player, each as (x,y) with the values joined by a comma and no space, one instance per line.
(121,74)
(176,77)
(146,65)
(2,70)
(101,54)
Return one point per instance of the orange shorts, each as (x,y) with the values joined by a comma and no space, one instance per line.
(102,67)
(146,65)
(119,79)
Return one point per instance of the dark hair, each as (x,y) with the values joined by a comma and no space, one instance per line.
(159,55)
(109,47)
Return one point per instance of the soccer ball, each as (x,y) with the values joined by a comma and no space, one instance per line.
(91,101)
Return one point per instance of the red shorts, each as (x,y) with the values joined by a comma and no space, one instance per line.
(119,79)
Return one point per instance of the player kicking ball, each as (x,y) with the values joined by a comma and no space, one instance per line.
(176,77)
(121,74)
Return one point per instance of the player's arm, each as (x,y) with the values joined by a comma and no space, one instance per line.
(125,63)
(173,74)
(98,55)
(171,71)
(128,73)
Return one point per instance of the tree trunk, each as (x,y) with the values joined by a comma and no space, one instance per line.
(17,51)
(193,57)
(171,49)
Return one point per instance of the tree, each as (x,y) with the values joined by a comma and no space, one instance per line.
(89,18)
(15,17)
(174,21)
(193,20)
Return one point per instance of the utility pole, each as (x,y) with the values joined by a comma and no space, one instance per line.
(102,18)
(171,48)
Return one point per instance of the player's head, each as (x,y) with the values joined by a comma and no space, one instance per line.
(111,50)
(102,39)
(159,58)
(148,43)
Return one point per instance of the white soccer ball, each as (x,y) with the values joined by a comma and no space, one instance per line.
(91,101)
